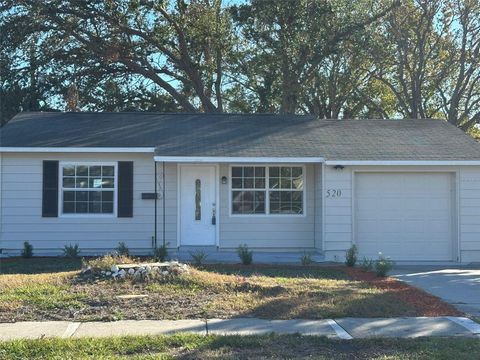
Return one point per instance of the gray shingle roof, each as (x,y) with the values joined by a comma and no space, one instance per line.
(244,135)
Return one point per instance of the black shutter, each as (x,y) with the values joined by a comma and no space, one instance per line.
(50,189)
(125,189)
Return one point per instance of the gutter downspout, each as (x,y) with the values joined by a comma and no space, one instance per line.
(156,211)
(163,196)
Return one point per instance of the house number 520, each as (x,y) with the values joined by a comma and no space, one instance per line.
(334,193)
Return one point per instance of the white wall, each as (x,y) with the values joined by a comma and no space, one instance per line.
(21,202)
(339,229)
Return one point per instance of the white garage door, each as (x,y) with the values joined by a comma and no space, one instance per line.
(407,216)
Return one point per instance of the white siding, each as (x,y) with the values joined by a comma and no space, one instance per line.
(339,228)
(469,214)
(269,232)
(21,202)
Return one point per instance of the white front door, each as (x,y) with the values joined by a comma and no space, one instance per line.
(197,205)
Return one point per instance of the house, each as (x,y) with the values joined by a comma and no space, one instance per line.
(278,183)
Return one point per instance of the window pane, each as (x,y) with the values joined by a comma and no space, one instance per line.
(95,171)
(297,182)
(259,172)
(107,183)
(107,170)
(68,207)
(248,183)
(259,183)
(237,183)
(95,183)
(274,183)
(68,182)
(285,172)
(82,182)
(285,183)
(95,207)
(296,171)
(237,196)
(69,170)
(81,207)
(107,208)
(274,171)
(248,202)
(81,196)
(248,171)
(69,196)
(95,196)
(107,195)
(286,202)
(237,171)
(82,170)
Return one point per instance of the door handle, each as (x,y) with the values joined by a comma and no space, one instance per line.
(214,218)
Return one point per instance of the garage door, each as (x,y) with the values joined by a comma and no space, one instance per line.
(407,216)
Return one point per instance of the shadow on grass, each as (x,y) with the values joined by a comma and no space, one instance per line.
(39,265)
(313,272)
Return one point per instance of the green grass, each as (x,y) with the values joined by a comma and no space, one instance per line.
(189,346)
(223,291)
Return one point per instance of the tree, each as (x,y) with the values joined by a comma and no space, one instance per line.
(288,41)
(178,46)
(427,55)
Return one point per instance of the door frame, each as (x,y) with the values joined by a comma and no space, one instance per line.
(455,187)
(217,200)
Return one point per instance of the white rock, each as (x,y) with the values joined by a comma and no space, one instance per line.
(148,268)
(122,272)
(114,269)
(164,272)
(103,272)
(108,273)
(131,271)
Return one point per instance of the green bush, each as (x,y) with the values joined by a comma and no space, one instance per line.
(71,251)
(351,256)
(199,257)
(27,251)
(161,253)
(306,259)
(245,255)
(383,265)
(122,249)
(367,264)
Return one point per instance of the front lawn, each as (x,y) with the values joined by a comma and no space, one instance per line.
(186,346)
(272,292)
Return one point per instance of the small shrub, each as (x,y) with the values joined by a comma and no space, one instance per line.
(306,259)
(351,256)
(27,251)
(122,249)
(199,257)
(383,265)
(245,255)
(367,264)
(71,251)
(161,253)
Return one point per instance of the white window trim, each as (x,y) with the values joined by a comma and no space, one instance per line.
(267,190)
(87,163)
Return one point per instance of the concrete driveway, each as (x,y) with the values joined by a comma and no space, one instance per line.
(459,287)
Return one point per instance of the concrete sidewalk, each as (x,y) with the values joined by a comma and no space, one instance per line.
(347,328)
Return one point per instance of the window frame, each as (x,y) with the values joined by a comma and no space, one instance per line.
(61,189)
(267,190)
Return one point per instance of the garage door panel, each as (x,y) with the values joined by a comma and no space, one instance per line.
(407,216)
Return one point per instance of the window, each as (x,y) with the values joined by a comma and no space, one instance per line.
(88,189)
(267,190)
(198,200)
(248,190)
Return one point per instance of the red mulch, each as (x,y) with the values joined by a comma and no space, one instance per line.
(424,303)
